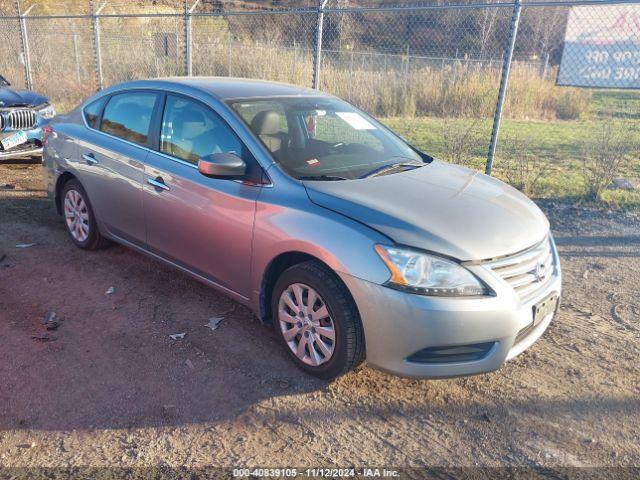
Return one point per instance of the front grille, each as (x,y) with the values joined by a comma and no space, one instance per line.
(527,272)
(23,119)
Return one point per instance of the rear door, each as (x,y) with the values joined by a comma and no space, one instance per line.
(112,156)
(200,223)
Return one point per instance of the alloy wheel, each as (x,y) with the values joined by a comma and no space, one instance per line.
(306,324)
(76,215)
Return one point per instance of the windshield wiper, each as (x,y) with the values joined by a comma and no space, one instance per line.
(387,168)
(327,178)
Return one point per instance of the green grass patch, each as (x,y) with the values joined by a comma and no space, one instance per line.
(556,147)
(616,103)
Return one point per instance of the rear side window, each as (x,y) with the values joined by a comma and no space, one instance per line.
(128,116)
(92,112)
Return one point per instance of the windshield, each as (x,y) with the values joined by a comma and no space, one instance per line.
(325,138)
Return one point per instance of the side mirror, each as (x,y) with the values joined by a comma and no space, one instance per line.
(222,165)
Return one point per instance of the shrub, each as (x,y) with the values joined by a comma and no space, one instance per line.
(572,104)
(605,155)
(460,141)
(520,167)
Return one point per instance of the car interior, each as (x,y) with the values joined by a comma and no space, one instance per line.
(307,140)
(190,132)
(189,135)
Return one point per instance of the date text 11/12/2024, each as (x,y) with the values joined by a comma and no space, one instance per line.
(315,472)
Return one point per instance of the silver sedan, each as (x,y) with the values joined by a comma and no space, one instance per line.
(352,243)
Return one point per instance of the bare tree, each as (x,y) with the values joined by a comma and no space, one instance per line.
(486,26)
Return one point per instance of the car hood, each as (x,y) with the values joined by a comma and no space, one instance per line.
(19,98)
(441,208)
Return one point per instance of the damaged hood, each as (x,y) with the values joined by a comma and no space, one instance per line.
(19,98)
(441,208)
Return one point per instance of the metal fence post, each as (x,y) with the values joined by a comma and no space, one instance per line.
(405,86)
(187,39)
(294,62)
(97,49)
(188,35)
(76,56)
(506,67)
(317,58)
(228,53)
(25,45)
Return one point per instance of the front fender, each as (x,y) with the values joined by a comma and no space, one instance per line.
(295,224)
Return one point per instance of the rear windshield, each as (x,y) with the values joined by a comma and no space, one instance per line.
(324,138)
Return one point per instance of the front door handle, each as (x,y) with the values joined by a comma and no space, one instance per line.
(90,159)
(158,183)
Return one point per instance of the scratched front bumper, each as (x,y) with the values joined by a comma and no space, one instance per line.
(33,147)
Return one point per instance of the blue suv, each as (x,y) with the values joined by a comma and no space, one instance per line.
(23,113)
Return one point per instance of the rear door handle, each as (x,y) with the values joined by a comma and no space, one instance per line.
(158,183)
(90,159)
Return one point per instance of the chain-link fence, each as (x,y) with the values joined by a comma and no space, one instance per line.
(450,77)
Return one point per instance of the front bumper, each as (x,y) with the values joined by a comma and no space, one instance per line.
(21,151)
(398,324)
(33,147)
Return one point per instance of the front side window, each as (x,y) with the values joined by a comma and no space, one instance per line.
(325,138)
(92,112)
(190,130)
(128,116)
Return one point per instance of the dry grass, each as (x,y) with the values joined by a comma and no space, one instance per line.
(229,47)
(471,92)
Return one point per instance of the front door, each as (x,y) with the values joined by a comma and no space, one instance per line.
(200,223)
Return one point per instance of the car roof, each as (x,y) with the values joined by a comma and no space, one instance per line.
(225,88)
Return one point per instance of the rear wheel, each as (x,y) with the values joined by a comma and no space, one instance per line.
(79,218)
(317,321)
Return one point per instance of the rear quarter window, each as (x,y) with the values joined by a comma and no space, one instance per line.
(92,112)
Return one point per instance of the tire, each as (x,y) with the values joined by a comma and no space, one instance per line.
(85,236)
(348,345)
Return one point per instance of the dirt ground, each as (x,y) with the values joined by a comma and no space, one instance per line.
(110,388)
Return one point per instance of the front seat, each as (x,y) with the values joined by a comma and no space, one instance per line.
(190,137)
(266,125)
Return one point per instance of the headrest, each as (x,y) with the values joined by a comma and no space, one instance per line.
(190,123)
(266,123)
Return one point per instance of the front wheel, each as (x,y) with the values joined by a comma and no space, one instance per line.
(317,321)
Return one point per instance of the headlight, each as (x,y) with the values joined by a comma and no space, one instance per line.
(426,274)
(47,112)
